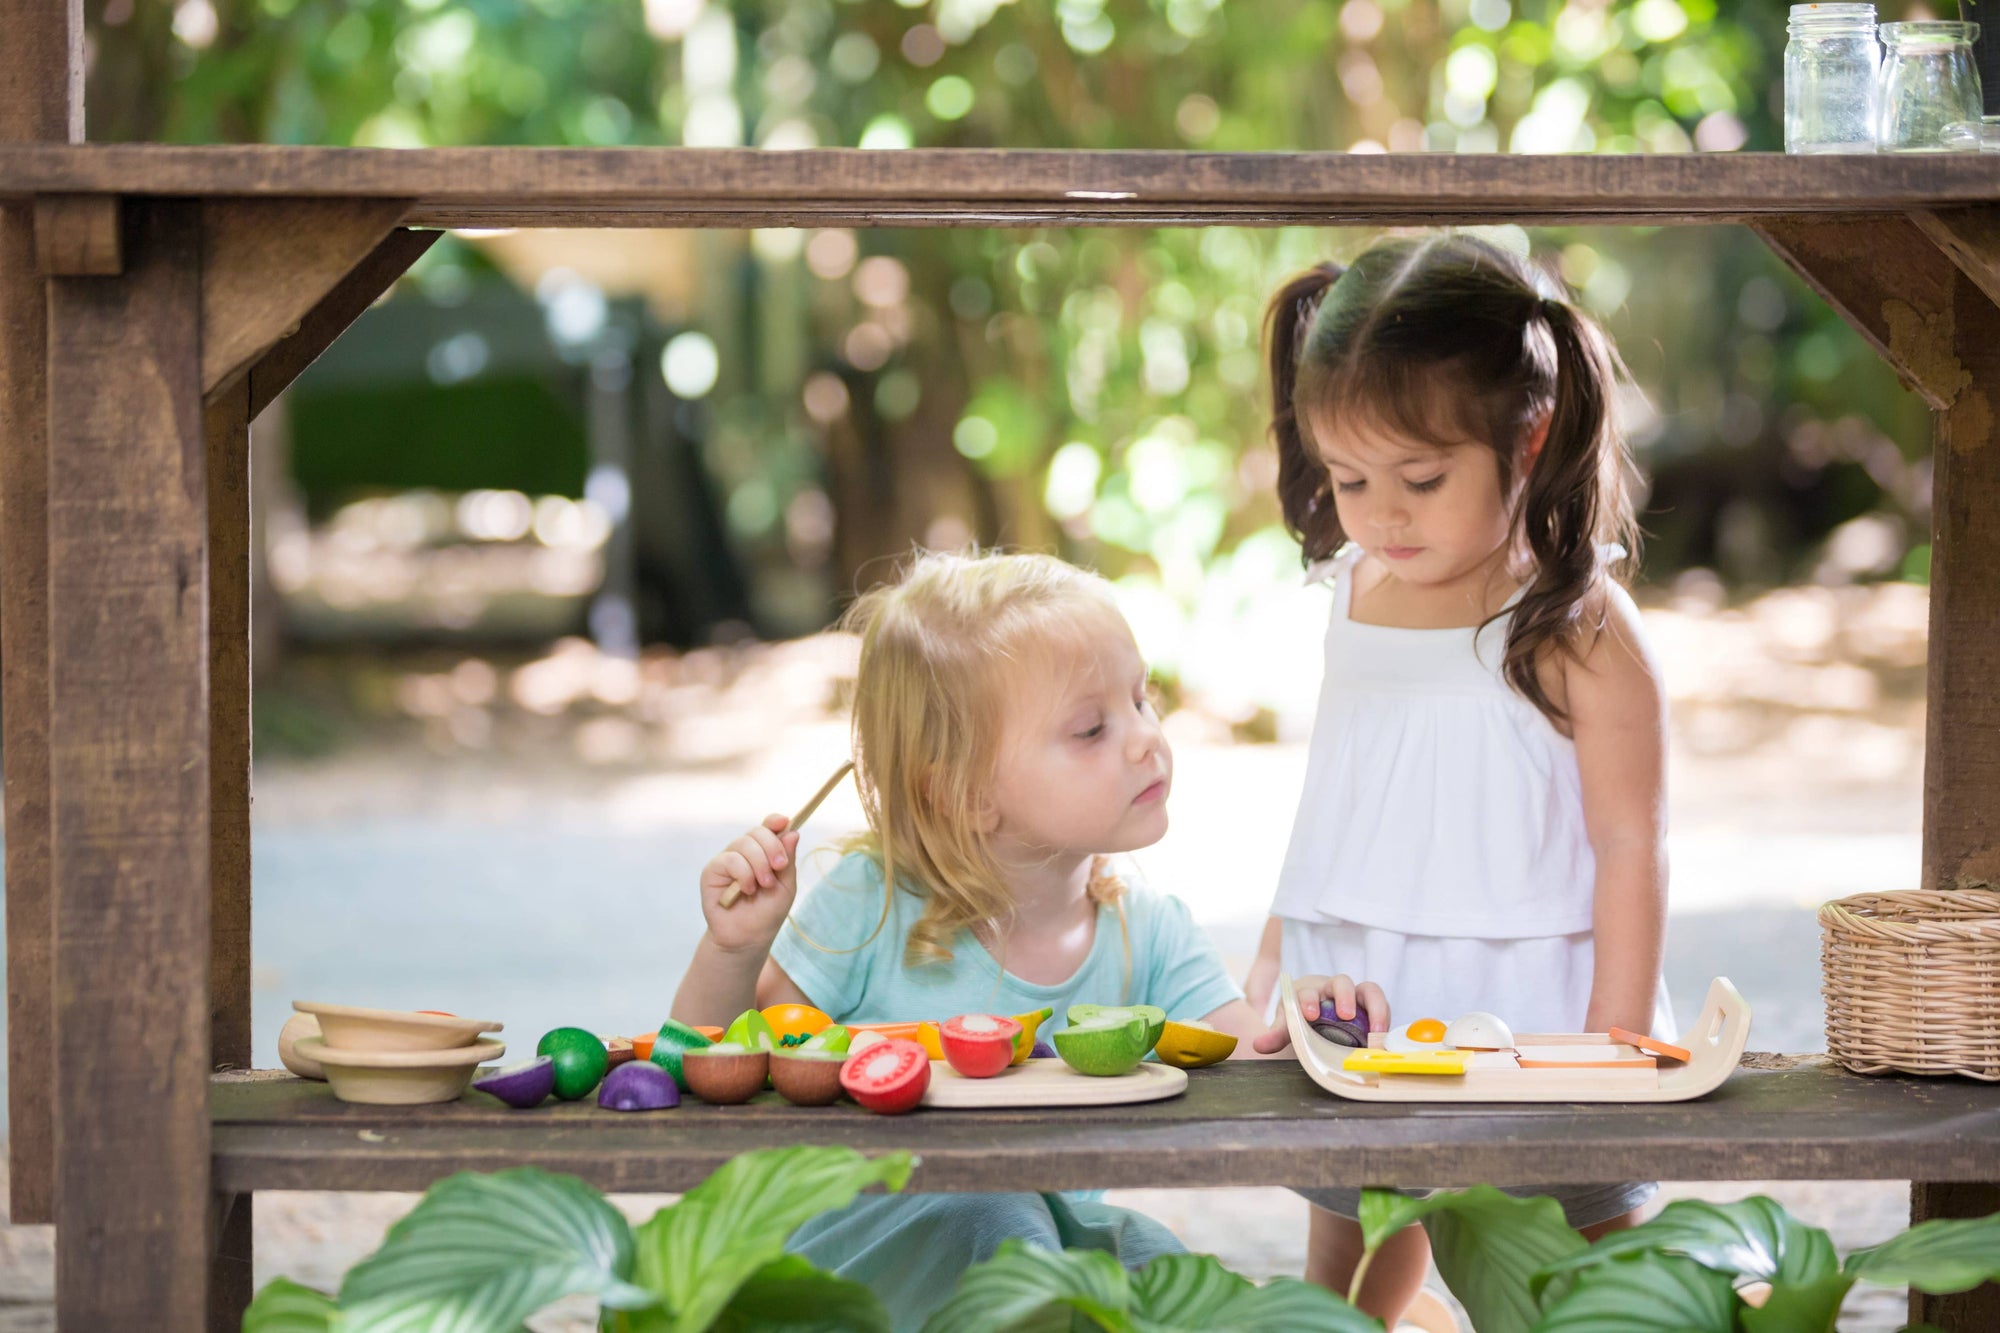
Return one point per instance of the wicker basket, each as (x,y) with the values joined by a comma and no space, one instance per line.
(1912,982)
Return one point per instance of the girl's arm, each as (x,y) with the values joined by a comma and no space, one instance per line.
(1263,978)
(732,968)
(1617,712)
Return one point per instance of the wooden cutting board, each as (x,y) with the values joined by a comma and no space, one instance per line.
(1048,1082)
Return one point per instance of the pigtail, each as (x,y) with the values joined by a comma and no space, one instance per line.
(1576,498)
(1305,494)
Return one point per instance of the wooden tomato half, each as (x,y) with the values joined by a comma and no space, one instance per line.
(978,1045)
(889,1077)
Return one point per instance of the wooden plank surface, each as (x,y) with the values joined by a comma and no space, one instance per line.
(41,99)
(128,754)
(739,187)
(1241,1123)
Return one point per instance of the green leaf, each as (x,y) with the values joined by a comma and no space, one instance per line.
(1752,1238)
(696,1253)
(283,1306)
(791,1295)
(1385,1212)
(1644,1293)
(483,1252)
(1939,1256)
(1808,1307)
(1487,1245)
(1025,1288)
(1195,1292)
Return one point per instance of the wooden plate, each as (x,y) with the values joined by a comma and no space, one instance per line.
(1046,1082)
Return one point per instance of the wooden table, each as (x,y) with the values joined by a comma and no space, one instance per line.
(1252,1122)
(154,299)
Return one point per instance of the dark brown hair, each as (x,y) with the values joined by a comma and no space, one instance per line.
(1450,340)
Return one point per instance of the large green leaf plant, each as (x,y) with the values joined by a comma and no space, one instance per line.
(482,1253)
(1517,1267)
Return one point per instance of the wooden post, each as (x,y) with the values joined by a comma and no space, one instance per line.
(41,98)
(1962,741)
(129,782)
(226,427)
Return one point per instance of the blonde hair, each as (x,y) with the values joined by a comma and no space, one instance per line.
(939,647)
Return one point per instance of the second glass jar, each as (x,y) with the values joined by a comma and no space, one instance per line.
(1929,99)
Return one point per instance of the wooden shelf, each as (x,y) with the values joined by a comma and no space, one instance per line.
(1254,1123)
(655,187)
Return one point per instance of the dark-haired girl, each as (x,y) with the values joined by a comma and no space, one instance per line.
(1483,821)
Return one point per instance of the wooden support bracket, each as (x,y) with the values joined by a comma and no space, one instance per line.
(76,236)
(1885,277)
(1970,238)
(268,263)
(338,308)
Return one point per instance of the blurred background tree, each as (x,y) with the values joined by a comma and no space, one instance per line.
(1099,392)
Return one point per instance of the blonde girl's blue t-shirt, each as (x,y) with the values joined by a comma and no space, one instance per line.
(856,979)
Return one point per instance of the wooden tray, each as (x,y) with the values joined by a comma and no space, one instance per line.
(1048,1082)
(1716,1039)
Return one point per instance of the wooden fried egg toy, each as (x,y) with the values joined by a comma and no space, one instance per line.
(1477,1031)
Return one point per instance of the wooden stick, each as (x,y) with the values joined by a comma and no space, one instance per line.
(732,893)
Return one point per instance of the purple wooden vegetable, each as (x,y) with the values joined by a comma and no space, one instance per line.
(524,1085)
(640,1085)
(1342,1031)
(1042,1051)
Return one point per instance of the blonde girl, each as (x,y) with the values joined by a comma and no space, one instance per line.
(1006,749)
(1483,820)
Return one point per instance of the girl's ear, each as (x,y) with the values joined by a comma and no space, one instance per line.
(1538,435)
(985,814)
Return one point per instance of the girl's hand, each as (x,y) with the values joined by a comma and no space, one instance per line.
(760,866)
(1341,995)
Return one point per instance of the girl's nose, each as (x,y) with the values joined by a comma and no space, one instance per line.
(1148,737)
(1389,513)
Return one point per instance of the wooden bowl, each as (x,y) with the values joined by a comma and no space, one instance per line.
(348,1028)
(725,1078)
(400,1078)
(296,1029)
(811,1078)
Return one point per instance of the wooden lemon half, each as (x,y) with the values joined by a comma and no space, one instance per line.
(1192,1045)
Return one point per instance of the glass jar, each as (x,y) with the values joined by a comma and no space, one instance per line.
(1929,99)
(1831,66)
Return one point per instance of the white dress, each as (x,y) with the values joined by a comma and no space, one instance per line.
(1439,848)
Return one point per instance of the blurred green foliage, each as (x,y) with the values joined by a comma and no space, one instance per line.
(1100,390)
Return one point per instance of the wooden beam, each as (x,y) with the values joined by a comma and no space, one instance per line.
(129,781)
(650,187)
(266,263)
(41,98)
(1886,279)
(1961,758)
(331,315)
(76,235)
(1970,238)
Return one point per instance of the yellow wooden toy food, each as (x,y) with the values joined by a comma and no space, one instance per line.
(1377,1061)
(1193,1045)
